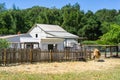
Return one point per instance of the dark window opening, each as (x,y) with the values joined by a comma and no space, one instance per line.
(36,35)
(29,46)
(50,46)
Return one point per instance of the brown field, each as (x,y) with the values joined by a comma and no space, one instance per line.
(63,67)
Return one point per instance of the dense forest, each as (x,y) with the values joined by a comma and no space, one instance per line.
(93,25)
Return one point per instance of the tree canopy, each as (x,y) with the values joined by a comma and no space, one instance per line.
(112,36)
(74,20)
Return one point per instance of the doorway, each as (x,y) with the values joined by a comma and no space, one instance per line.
(50,46)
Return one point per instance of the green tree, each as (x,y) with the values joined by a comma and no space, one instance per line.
(91,28)
(15,8)
(106,15)
(105,27)
(112,36)
(3,44)
(2,7)
(71,18)
(9,22)
(117,19)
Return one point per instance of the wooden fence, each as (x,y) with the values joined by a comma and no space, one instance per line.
(13,55)
(8,56)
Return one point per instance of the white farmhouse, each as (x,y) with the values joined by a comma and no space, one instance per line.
(45,37)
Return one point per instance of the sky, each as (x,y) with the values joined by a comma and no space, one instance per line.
(85,5)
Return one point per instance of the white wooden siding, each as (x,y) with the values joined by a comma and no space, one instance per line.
(37,30)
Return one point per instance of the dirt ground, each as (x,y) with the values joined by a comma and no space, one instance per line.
(62,67)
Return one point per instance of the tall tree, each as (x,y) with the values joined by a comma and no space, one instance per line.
(106,15)
(2,7)
(117,19)
(91,29)
(112,36)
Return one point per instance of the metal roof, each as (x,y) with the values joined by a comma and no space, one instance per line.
(62,34)
(56,31)
(49,27)
(7,36)
(17,37)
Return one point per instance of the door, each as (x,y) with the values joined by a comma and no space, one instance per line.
(50,46)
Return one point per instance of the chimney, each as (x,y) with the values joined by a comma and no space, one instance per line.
(18,33)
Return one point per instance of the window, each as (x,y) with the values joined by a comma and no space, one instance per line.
(36,35)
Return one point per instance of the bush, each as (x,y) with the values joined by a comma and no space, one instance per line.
(89,42)
(4,43)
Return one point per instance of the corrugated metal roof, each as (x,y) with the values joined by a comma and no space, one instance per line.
(56,31)
(17,37)
(10,36)
(13,39)
(63,34)
(7,36)
(48,27)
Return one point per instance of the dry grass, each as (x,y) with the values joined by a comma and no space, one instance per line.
(63,67)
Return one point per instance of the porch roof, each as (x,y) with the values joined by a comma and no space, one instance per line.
(16,38)
(29,40)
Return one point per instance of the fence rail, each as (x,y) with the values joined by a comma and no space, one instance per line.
(13,55)
(8,56)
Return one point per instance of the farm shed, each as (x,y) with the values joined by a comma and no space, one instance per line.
(45,37)
(53,37)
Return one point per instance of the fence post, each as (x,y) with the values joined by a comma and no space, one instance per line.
(5,57)
(117,51)
(90,55)
(51,55)
(31,56)
(111,52)
(105,52)
(85,54)
(66,54)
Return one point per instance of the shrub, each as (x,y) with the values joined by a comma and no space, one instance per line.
(4,43)
(89,42)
